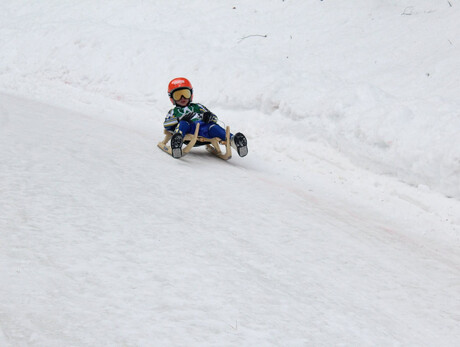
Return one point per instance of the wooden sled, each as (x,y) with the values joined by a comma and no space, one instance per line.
(193,140)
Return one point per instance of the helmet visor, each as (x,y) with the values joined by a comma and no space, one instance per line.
(186,93)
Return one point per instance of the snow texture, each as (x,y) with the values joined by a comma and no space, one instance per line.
(341,226)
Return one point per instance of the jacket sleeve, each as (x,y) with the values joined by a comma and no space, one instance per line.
(170,121)
(201,109)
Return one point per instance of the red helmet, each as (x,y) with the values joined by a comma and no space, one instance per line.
(178,84)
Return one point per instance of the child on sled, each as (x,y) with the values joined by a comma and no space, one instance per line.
(185,116)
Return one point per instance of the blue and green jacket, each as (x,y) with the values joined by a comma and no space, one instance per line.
(192,112)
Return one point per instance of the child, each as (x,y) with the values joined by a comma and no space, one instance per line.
(183,118)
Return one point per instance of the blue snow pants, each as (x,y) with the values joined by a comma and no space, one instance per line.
(208,130)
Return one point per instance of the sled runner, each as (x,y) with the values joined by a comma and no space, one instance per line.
(193,140)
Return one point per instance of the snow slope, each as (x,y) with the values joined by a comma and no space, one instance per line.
(103,244)
(105,240)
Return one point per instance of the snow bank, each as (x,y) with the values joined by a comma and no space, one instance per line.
(378,80)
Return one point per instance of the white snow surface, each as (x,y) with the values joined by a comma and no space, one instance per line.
(341,226)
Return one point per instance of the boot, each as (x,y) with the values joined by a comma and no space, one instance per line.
(239,142)
(176,145)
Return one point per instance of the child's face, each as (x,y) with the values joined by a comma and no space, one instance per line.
(182,102)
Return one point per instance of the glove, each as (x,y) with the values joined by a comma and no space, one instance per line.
(209,117)
(188,117)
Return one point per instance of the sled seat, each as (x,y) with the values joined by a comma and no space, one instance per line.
(213,145)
